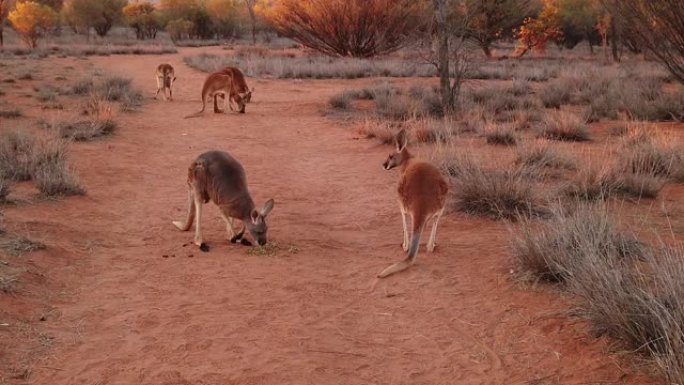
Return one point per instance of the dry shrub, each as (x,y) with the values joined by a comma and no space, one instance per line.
(381,130)
(51,172)
(555,93)
(341,101)
(644,151)
(17,245)
(431,131)
(501,135)
(542,155)
(642,308)
(11,114)
(564,126)
(8,279)
(497,194)
(100,123)
(556,249)
(348,28)
(593,183)
(118,89)
(16,148)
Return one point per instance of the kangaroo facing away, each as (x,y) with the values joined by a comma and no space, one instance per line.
(240,85)
(219,83)
(165,76)
(422,195)
(218,177)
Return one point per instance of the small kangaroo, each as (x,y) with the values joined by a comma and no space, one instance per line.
(216,176)
(422,194)
(165,76)
(220,83)
(240,85)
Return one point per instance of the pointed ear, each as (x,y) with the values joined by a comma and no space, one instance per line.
(268,206)
(254,216)
(401,140)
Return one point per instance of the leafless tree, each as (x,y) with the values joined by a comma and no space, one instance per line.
(659,26)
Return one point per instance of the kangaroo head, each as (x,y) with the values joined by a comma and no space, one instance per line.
(240,100)
(257,223)
(401,154)
(248,96)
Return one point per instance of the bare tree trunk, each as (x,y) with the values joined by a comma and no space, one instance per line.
(614,40)
(442,36)
(252,16)
(2,38)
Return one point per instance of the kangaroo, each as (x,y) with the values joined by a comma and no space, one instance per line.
(165,77)
(219,83)
(240,87)
(218,177)
(422,195)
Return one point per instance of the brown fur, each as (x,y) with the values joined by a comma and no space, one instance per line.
(219,83)
(217,177)
(165,76)
(240,86)
(422,195)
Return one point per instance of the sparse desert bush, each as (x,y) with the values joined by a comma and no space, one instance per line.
(497,194)
(100,122)
(47,93)
(5,189)
(17,244)
(83,87)
(310,67)
(11,114)
(557,249)
(501,135)
(8,279)
(341,101)
(644,151)
(543,156)
(344,28)
(118,89)
(641,307)
(564,126)
(555,94)
(51,172)
(378,129)
(16,148)
(603,182)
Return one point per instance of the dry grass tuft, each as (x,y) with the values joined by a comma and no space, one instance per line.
(542,155)
(556,249)
(11,114)
(500,135)
(51,172)
(16,148)
(497,194)
(564,126)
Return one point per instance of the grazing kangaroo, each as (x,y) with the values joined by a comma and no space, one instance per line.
(422,195)
(219,83)
(216,176)
(165,77)
(240,85)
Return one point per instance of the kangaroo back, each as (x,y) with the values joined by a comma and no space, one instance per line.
(221,177)
(213,83)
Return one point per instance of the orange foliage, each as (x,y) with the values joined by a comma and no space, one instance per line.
(535,33)
(360,28)
(31,20)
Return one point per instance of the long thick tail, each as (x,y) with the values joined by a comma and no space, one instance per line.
(410,259)
(185,226)
(196,114)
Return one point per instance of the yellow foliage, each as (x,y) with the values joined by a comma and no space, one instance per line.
(31,20)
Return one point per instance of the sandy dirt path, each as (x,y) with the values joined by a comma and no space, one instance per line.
(315,316)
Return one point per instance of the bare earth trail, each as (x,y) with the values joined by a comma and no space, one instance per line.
(312,316)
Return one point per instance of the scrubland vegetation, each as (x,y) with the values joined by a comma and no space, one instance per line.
(574,118)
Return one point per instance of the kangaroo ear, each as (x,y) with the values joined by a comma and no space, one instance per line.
(401,140)
(268,206)
(254,215)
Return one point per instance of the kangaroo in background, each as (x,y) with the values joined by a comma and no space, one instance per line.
(422,195)
(216,176)
(165,76)
(239,84)
(219,83)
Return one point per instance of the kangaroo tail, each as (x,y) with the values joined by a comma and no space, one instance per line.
(196,114)
(410,259)
(185,226)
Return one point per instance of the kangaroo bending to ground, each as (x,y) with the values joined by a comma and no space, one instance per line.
(422,195)
(244,92)
(219,83)
(165,76)
(216,176)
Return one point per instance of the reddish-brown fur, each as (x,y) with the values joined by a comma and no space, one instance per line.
(422,195)
(239,84)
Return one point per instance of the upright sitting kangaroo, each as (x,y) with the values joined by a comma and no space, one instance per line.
(422,195)
(216,176)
